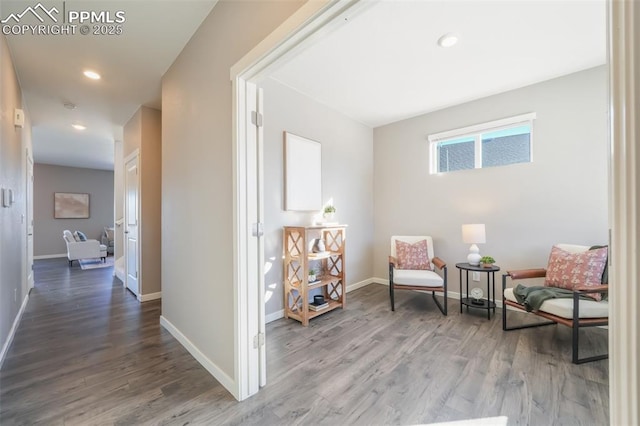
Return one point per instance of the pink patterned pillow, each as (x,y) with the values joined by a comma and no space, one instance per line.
(413,256)
(567,270)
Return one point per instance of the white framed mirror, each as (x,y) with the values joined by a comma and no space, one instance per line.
(302,173)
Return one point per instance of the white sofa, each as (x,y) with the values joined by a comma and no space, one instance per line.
(90,249)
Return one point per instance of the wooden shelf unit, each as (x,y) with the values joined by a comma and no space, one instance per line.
(297,258)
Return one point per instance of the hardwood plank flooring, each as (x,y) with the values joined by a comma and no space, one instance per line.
(87,353)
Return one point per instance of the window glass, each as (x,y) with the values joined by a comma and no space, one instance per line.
(457,154)
(508,146)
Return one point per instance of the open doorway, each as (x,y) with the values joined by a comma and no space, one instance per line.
(259,69)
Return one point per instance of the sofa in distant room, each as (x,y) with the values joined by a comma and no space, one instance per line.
(79,248)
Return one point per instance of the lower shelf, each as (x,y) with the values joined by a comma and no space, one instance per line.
(482,303)
(333,304)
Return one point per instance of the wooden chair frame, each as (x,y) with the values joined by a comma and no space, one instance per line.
(440,264)
(575,323)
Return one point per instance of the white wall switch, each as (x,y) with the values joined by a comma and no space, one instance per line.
(18,119)
(6,200)
(475,276)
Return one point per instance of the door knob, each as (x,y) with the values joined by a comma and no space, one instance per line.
(126,232)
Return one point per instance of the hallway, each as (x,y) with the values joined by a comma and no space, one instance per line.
(86,352)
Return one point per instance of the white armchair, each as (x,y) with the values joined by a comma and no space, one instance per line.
(403,275)
(90,249)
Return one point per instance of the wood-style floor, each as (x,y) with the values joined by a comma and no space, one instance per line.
(88,353)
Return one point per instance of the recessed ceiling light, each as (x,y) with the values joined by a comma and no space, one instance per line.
(448,40)
(78,126)
(92,75)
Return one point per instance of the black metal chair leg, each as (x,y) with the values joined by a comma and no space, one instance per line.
(391,296)
(443,310)
(575,338)
(391,287)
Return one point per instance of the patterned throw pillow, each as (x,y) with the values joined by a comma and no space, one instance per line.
(567,270)
(80,236)
(413,256)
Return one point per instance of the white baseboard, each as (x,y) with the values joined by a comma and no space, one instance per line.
(209,365)
(150,296)
(364,283)
(350,287)
(450,294)
(49,256)
(274,316)
(14,327)
(383,281)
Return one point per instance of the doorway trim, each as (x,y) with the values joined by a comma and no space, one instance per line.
(133,155)
(624,211)
(29,182)
(311,20)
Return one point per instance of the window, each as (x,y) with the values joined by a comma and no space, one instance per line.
(498,143)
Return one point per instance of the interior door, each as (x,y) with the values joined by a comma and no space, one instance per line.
(29,210)
(131,213)
(255,255)
(259,145)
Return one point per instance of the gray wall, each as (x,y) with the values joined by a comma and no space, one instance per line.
(49,179)
(347,177)
(197,183)
(14,143)
(560,197)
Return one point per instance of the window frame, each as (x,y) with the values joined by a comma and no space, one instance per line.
(476,131)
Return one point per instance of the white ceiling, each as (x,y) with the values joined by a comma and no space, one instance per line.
(379,66)
(384,65)
(131,64)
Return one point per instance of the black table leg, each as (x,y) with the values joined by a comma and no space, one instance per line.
(460,289)
(467,295)
(494,293)
(488,295)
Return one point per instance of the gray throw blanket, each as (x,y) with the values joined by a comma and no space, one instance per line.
(533,297)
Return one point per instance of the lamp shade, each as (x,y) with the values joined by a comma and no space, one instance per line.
(473,233)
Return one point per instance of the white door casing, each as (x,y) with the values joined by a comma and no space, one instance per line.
(305,25)
(29,222)
(255,218)
(249,321)
(624,212)
(262,325)
(131,223)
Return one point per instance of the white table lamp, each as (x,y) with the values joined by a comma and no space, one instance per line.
(473,234)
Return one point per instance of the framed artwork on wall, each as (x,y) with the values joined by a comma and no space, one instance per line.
(302,173)
(69,205)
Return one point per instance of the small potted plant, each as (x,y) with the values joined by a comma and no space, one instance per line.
(487,261)
(312,275)
(329,211)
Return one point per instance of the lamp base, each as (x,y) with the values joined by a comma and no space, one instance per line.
(474,255)
(474,259)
